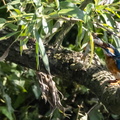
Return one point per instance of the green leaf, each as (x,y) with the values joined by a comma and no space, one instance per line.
(8,35)
(71,10)
(96,2)
(89,22)
(92,46)
(41,49)
(117,41)
(80,34)
(89,8)
(36,91)
(23,44)
(5,112)
(2,7)
(10,109)
(2,22)
(8,102)
(57,4)
(37,54)
(37,2)
(45,25)
(95,114)
(12,26)
(109,20)
(14,2)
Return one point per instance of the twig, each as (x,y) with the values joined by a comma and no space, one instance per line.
(109,31)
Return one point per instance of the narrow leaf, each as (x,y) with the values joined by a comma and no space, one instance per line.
(2,22)
(14,2)
(42,50)
(92,46)
(5,112)
(71,10)
(9,105)
(37,54)
(80,34)
(45,25)
(57,4)
(8,35)
(117,41)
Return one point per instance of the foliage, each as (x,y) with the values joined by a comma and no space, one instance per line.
(53,22)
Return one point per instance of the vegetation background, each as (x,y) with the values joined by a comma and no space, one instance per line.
(70,23)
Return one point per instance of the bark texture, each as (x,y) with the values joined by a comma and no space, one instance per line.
(70,65)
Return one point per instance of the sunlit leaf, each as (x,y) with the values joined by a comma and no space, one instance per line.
(37,54)
(92,46)
(57,25)
(117,41)
(113,10)
(2,22)
(109,20)
(96,2)
(14,2)
(8,35)
(23,43)
(42,50)
(45,25)
(12,26)
(89,8)
(71,10)
(37,2)
(57,4)
(80,33)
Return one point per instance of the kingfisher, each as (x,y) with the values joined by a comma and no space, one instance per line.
(112,57)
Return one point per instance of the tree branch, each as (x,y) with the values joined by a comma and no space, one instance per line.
(69,65)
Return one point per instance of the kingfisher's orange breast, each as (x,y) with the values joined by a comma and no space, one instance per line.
(112,67)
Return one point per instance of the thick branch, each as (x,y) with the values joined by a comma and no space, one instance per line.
(69,65)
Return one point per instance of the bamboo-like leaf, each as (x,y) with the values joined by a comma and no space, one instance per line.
(45,25)
(4,111)
(92,46)
(109,20)
(37,2)
(8,35)
(117,41)
(80,33)
(41,50)
(23,43)
(14,2)
(57,4)
(9,105)
(2,22)
(2,7)
(71,10)
(57,25)
(37,54)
